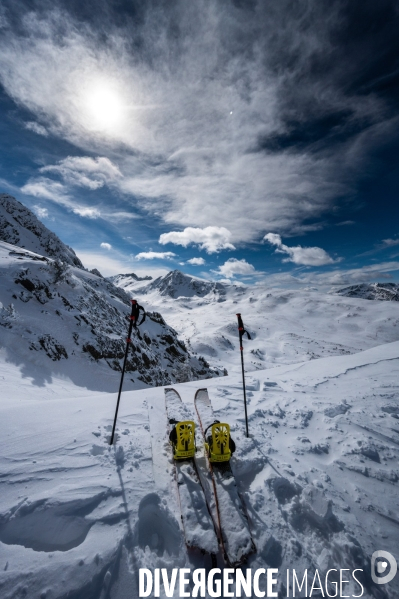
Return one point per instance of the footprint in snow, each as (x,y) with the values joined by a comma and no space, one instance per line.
(157,528)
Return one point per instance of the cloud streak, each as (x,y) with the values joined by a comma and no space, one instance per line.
(210,239)
(155,256)
(85,171)
(306,256)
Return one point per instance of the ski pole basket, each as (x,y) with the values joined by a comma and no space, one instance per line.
(184,446)
(218,445)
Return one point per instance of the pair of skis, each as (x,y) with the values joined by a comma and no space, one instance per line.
(207,488)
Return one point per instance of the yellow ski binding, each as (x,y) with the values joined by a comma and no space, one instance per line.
(219,447)
(185,444)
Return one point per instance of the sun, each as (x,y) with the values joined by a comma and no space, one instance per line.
(104,107)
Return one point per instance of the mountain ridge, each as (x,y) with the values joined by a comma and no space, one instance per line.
(20,227)
(372,291)
(176,284)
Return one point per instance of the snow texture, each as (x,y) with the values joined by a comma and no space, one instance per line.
(318,475)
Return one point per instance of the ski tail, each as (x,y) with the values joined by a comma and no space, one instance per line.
(198,527)
(232,516)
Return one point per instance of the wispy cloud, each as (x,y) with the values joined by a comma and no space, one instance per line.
(200,124)
(40,211)
(307,256)
(54,191)
(36,128)
(390,242)
(378,247)
(239,114)
(60,193)
(47,189)
(85,171)
(211,239)
(155,256)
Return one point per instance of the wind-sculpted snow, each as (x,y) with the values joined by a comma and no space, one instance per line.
(318,475)
(70,321)
(19,226)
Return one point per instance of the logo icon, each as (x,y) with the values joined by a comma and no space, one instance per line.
(383,562)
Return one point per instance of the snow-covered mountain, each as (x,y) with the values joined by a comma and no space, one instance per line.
(285,325)
(19,226)
(57,318)
(373,291)
(128,281)
(176,284)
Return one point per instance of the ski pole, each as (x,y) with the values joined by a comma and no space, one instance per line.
(128,341)
(241,332)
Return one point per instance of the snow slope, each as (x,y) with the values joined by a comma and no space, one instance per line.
(19,226)
(57,319)
(319,476)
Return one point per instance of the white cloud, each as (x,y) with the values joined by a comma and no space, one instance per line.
(155,255)
(106,246)
(196,261)
(86,212)
(47,189)
(307,256)
(211,239)
(85,171)
(36,128)
(108,265)
(40,212)
(233,267)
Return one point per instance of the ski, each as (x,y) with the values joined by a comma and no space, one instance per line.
(197,523)
(233,522)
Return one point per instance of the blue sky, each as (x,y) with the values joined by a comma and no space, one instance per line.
(229,139)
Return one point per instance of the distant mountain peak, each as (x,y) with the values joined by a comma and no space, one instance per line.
(372,291)
(178,284)
(19,226)
(130,275)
